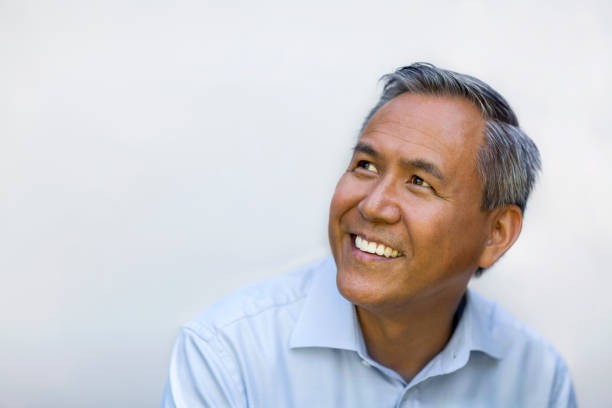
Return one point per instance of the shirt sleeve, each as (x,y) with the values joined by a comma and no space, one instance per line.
(202,374)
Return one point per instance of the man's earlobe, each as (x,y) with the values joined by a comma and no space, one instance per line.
(505,228)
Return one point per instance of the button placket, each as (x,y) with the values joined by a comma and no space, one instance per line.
(410,398)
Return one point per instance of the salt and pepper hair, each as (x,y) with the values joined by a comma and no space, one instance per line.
(508,160)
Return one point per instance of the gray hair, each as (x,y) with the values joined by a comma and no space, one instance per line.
(508,160)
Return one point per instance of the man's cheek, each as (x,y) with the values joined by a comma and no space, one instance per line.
(340,200)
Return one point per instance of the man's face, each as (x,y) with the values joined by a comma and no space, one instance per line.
(412,186)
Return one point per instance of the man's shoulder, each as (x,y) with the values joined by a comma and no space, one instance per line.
(526,360)
(255,302)
(517,337)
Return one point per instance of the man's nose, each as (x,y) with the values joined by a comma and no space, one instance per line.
(380,203)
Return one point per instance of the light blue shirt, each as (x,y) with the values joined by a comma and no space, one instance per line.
(295,342)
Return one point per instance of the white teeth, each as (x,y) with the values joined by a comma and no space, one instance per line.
(361,244)
(375,248)
(364,245)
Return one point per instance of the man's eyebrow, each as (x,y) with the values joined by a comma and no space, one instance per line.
(365,148)
(424,165)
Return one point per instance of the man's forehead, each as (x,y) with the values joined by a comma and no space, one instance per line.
(434,115)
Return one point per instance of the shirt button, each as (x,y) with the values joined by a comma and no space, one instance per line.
(365,363)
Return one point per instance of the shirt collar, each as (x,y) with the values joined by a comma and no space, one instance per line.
(478,330)
(483,329)
(328,320)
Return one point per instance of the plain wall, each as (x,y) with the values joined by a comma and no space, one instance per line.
(156,155)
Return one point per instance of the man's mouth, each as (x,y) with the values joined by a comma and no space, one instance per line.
(373,247)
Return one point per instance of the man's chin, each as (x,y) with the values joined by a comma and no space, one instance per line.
(358,289)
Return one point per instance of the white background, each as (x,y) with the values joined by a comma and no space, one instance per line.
(157,155)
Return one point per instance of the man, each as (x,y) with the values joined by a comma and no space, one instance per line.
(434,193)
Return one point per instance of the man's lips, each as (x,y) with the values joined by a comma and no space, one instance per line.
(363,245)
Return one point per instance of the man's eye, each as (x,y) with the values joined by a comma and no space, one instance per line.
(366,165)
(419,181)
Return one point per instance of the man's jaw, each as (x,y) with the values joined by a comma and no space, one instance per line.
(370,248)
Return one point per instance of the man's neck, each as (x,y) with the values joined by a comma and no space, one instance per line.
(407,340)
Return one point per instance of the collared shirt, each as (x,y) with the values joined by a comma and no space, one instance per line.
(295,342)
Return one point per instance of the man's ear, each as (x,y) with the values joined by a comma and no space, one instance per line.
(505,227)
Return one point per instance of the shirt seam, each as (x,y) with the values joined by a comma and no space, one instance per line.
(234,374)
(207,327)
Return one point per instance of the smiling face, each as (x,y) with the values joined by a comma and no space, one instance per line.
(412,187)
